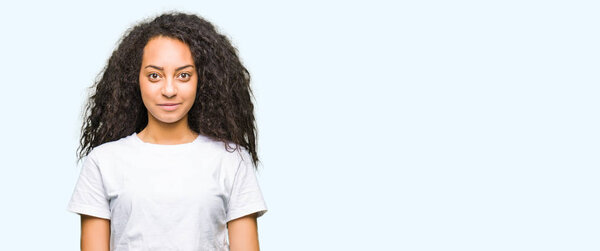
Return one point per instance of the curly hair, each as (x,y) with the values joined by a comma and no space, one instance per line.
(222,109)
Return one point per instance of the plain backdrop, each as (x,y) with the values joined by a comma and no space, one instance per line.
(383,125)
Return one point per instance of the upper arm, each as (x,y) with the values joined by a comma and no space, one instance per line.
(95,233)
(245,195)
(243,233)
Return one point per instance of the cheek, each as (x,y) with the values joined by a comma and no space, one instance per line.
(146,92)
(192,89)
(143,90)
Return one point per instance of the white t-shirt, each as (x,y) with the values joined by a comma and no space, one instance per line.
(167,197)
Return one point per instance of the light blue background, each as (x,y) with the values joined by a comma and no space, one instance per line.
(419,125)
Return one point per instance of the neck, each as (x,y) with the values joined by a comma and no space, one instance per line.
(158,132)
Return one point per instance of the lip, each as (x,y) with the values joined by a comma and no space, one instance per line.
(169,106)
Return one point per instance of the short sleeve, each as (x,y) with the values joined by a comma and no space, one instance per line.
(246,196)
(89,196)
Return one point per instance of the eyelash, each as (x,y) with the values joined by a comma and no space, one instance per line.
(151,74)
(188,75)
(158,75)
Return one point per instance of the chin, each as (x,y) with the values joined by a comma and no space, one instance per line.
(168,119)
(171,120)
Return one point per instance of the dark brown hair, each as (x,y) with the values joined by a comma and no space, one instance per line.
(222,110)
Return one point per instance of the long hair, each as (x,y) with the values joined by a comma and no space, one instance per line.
(222,109)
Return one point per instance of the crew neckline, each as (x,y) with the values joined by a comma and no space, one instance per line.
(163,146)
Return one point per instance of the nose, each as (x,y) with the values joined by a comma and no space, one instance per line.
(169,90)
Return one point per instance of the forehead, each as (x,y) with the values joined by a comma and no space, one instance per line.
(166,51)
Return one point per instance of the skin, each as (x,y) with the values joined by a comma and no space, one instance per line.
(168,75)
(95,233)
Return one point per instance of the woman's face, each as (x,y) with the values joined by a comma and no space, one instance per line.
(168,80)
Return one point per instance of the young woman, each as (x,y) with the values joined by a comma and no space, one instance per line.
(169,141)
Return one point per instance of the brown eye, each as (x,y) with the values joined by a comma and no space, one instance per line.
(153,76)
(185,76)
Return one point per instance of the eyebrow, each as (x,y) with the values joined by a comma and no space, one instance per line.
(160,68)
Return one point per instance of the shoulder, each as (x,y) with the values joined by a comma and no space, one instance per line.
(111,148)
(230,155)
(229,150)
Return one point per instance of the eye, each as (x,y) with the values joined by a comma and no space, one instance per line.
(185,76)
(153,76)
